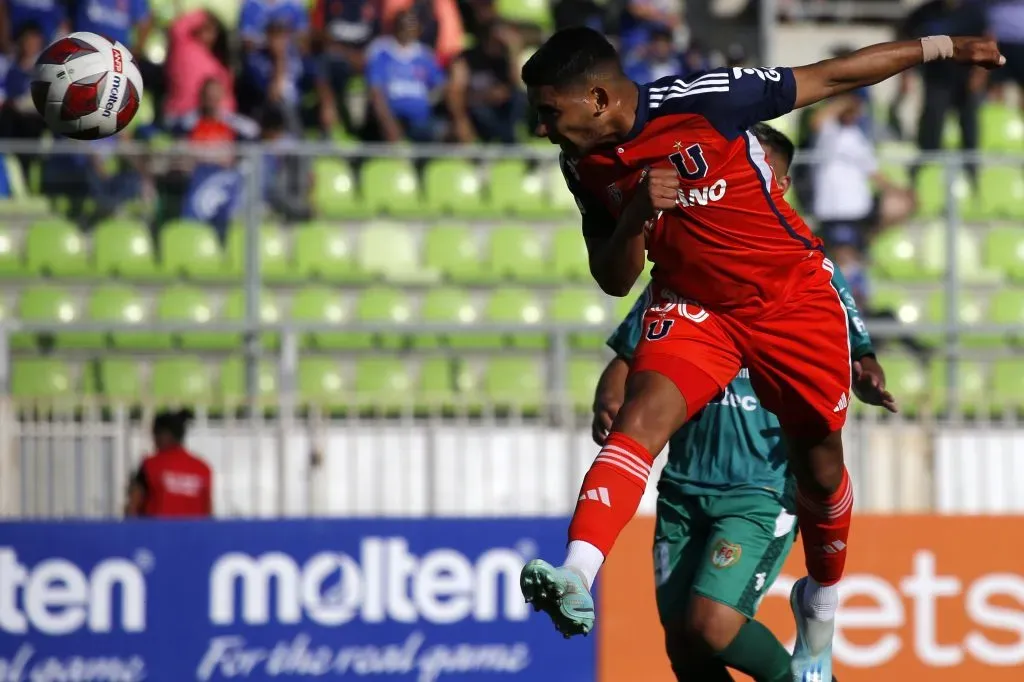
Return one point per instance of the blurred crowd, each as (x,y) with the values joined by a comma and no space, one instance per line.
(443,71)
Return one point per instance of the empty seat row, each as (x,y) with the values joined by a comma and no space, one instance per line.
(381,383)
(314,251)
(459,309)
(998,194)
(449,187)
(982,257)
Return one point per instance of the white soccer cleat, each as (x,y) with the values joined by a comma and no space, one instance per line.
(812,655)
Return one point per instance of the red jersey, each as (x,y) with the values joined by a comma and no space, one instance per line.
(177,483)
(732,241)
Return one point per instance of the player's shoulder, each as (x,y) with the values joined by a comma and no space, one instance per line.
(685,94)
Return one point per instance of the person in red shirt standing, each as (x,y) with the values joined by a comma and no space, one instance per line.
(172,482)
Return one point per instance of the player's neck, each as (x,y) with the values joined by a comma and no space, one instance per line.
(626,106)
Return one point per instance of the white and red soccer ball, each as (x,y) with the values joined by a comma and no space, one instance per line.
(86,86)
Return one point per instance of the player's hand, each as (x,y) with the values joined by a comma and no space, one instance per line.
(869,384)
(662,187)
(983,52)
(605,408)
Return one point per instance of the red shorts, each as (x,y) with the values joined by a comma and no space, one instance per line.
(797,351)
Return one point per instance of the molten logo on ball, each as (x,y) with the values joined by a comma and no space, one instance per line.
(115,92)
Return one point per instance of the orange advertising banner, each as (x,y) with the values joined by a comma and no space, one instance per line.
(924,598)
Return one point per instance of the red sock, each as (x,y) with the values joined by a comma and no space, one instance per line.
(611,492)
(825,525)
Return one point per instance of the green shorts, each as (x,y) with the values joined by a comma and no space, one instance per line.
(727,548)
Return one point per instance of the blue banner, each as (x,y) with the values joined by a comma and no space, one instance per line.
(403,600)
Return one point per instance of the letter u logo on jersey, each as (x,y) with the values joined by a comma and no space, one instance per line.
(659,329)
(690,163)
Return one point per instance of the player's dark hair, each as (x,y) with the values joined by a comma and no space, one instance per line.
(776,140)
(572,56)
(172,422)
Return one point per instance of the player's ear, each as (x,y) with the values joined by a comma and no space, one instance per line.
(600,99)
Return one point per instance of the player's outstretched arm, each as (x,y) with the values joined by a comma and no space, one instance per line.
(876,63)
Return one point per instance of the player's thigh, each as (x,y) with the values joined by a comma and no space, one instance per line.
(751,535)
(799,360)
(694,349)
(680,535)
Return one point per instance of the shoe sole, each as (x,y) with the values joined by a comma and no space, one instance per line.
(544,592)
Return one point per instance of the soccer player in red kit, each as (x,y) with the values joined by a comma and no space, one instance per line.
(172,482)
(739,279)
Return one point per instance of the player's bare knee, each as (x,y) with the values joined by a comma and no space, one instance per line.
(654,410)
(712,625)
(818,463)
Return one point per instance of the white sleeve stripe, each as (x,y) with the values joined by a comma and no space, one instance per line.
(675,88)
(699,91)
(681,82)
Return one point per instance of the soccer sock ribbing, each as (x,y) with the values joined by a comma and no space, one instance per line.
(758,653)
(825,525)
(609,496)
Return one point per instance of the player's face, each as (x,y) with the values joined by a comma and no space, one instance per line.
(571,118)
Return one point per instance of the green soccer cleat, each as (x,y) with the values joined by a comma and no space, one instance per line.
(560,593)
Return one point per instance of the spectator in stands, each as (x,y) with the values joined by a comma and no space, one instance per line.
(641,18)
(572,13)
(656,59)
(172,482)
(278,74)
(341,31)
(198,52)
(440,25)
(403,76)
(18,116)
(484,96)
(848,208)
(212,121)
(258,15)
(1006,24)
(49,16)
(948,85)
(287,178)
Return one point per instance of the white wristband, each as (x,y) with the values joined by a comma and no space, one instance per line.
(937,47)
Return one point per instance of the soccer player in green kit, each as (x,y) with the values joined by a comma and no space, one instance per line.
(725,520)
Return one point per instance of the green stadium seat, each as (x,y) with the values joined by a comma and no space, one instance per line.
(120,304)
(453,187)
(383,385)
(582,377)
(517,253)
(11,263)
(320,305)
(321,384)
(389,251)
(335,196)
(124,248)
(1006,306)
(520,307)
(116,379)
(515,383)
(325,252)
(569,259)
(183,303)
(232,384)
(970,268)
(581,306)
(905,378)
(1000,127)
(931,190)
(383,305)
(1000,194)
(973,382)
(435,389)
(1008,385)
(1004,251)
(270,313)
(515,191)
(972,310)
(895,253)
(56,247)
(445,305)
(40,379)
(533,12)
(905,306)
(452,252)
(190,249)
(274,263)
(45,303)
(390,187)
(181,381)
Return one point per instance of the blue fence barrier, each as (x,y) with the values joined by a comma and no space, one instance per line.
(417,600)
